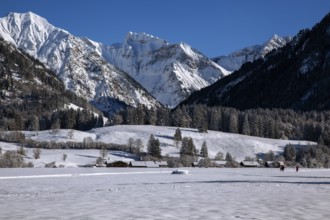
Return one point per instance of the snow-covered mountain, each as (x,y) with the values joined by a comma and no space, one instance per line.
(235,60)
(77,61)
(170,72)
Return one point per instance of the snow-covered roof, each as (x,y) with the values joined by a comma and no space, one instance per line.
(220,162)
(138,163)
(250,163)
(149,164)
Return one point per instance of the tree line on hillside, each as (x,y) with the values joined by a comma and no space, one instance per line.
(269,123)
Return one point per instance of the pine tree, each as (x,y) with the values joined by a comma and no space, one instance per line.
(229,158)
(34,123)
(204,150)
(154,147)
(188,147)
(246,126)
(177,137)
(130,145)
(233,123)
(289,152)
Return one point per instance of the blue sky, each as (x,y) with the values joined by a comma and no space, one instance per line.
(214,27)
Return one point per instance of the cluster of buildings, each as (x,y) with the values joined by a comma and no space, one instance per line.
(160,164)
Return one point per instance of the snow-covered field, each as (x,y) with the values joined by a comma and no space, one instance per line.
(104,193)
(239,146)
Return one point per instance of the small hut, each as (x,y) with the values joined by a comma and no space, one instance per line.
(162,164)
(250,164)
(219,163)
(138,164)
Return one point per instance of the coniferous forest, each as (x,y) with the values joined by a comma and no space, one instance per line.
(270,123)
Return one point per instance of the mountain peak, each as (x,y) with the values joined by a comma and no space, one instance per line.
(143,38)
(21,18)
(235,60)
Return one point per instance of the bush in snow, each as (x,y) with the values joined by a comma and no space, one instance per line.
(22,151)
(51,165)
(64,157)
(99,161)
(11,159)
(36,153)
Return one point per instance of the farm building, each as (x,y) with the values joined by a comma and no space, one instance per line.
(275,164)
(249,164)
(162,164)
(148,164)
(117,164)
(219,163)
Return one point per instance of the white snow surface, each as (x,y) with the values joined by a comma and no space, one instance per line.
(116,193)
(239,146)
(236,59)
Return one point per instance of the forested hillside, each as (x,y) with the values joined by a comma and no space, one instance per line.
(270,123)
(296,76)
(32,98)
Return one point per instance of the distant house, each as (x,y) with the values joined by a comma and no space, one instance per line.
(162,164)
(151,164)
(219,163)
(138,164)
(148,164)
(279,164)
(269,164)
(118,163)
(276,164)
(194,164)
(250,164)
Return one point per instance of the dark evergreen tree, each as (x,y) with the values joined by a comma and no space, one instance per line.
(204,150)
(177,137)
(289,153)
(246,126)
(154,149)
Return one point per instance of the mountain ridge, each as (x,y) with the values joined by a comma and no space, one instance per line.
(236,59)
(76,62)
(170,72)
(295,76)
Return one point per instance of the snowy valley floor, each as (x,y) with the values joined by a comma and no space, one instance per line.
(103,193)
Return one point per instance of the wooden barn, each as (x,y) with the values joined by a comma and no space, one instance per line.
(118,163)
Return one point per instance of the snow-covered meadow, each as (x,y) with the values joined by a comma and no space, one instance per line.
(126,193)
(239,146)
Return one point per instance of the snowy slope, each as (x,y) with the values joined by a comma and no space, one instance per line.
(170,72)
(239,146)
(235,60)
(77,61)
